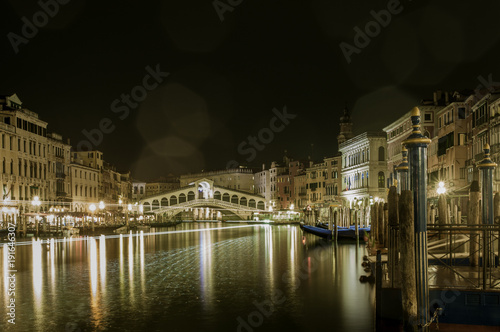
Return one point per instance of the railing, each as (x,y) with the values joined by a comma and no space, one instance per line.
(456,257)
(174,209)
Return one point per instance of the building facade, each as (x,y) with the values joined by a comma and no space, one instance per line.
(364,168)
(237,178)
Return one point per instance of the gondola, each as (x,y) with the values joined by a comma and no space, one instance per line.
(318,231)
(342,232)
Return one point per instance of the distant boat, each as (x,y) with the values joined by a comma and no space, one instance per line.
(342,232)
(318,231)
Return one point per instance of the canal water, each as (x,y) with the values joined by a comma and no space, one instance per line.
(194,277)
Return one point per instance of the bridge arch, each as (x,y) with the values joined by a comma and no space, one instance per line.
(243,201)
(146,207)
(261,205)
(251,203)
(217,195)
(234,199)
(182,198)
(191,196)
(226,197)
(155,205)
(164,201)
(173,200)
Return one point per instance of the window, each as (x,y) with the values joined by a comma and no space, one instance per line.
(439,122)
(428,117)
(461,112)
(381,180)
(462,173)
(381,153)
(461,139)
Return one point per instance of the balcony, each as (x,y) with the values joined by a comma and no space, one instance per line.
(61,194)
(495,148)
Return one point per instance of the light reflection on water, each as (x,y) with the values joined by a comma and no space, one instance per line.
(200,276)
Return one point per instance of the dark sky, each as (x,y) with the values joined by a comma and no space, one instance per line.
(226,77)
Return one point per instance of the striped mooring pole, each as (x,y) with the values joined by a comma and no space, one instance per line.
(486,167)
(417,152)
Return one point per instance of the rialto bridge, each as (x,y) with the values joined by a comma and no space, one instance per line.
(201,200)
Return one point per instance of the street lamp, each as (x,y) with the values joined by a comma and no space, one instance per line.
(92,208)
(441,189)
(36,203)
(129,208)
(101,207)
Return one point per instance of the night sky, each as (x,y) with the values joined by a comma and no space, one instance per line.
(226,77)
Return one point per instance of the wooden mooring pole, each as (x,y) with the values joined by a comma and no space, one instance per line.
(417,151)
(473,219)
(385,232)
(380,223)
(393,233)
(407,264)
(374,216)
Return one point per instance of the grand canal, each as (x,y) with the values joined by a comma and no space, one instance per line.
(194,277)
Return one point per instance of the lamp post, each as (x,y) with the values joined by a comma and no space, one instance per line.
(120,202)
(36,203)
(129,208)
(92,208)
(101,208)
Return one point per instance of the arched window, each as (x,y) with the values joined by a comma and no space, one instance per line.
(164,201)
(182,198)
(217,195)
(191,196)
(381,154)
(381,180)
(251,203)
(226,197)
(173,200)
(156,204)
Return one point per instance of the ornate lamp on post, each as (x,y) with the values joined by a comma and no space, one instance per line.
(129,208)
(101,208)
(120,202)
(36,203)
(92,208)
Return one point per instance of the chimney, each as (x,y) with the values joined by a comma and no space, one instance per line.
(446,98)
(263,166)
(435,98)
